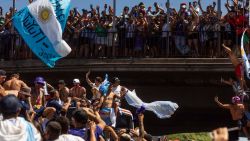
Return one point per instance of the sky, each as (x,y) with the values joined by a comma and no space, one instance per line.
(80,4)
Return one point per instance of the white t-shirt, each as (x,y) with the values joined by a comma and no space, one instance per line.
(68,137)
(18,129)
(116,90)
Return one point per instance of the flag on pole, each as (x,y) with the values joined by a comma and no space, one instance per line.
(61,8)
(40,29)
(245,40)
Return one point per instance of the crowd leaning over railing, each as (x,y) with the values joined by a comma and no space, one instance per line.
(139,31)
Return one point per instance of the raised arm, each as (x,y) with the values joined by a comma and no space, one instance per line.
(141,125)
(226,82)
(95,117)
(225,106)
(92,127)
(194,13)
(112,132)
(199,3)
(88,80)
(23,84)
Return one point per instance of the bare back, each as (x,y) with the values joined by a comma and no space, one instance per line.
(14,84)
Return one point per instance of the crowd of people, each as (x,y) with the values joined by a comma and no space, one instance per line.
(44,112)
(139,31)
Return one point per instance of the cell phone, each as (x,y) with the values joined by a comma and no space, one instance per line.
(91,6)
(190,3)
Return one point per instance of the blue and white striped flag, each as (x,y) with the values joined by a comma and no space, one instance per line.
(61,8)
(40,29)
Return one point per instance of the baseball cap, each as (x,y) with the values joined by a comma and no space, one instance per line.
(115,79)
(40,80)
(76,81)
(235,99)
(9,105)
(61,82)
(183,5)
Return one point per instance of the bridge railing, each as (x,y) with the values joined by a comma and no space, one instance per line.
(119,44)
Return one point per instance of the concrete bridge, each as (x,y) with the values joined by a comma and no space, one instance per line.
(192,83)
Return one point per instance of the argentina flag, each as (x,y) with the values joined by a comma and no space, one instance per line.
(42,32)
(61,8)
(244,41)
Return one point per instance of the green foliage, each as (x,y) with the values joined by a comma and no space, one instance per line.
(190,137)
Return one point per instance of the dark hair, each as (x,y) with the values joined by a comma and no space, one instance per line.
(9,106)
(53,129)
(64,122)
(98,79)
(80,116)
(15,75)
(52,93)
(124,138)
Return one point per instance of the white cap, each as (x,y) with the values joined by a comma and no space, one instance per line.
(77,81)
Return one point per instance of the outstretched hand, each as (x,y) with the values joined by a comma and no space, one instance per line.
(88,73)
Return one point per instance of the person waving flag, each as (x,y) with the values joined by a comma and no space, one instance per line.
(40,29)
(244,41)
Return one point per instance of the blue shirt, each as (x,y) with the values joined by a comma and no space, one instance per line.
(84,134)
(24,107)
(54,103)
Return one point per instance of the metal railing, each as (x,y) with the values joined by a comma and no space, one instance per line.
(130,44)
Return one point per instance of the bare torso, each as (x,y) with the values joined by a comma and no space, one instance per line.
(14,84)
(237,111)
(108,100)
(79,92)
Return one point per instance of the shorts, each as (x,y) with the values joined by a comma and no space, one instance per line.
(105,115)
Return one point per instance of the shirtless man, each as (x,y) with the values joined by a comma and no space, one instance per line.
(94,86)
(238,66)
(14,83)
(77,90)
(236,108)
(63,90)
(37,93)
(107,104)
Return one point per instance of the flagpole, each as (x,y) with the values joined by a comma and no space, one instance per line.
(12,31)
(114,14)
(114,28)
